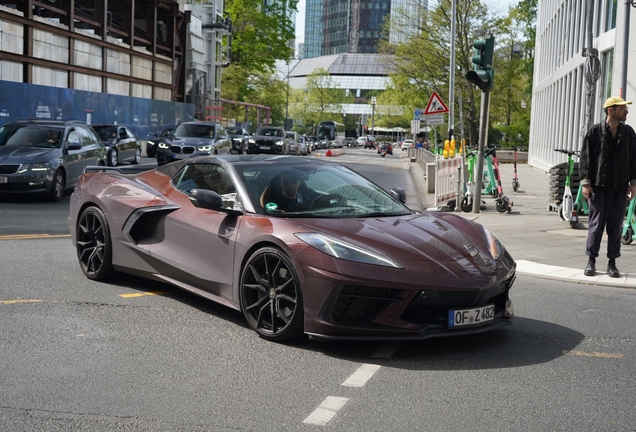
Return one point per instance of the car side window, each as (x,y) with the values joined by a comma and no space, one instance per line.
(86,137)
(220,131)
(210,177)
(73,137)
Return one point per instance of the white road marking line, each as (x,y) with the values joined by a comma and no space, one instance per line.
(361,376)
(326,411)
(387,350)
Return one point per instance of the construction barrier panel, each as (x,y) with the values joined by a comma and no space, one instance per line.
(446,175)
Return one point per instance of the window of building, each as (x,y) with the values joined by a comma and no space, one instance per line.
(610,17)
(608,67)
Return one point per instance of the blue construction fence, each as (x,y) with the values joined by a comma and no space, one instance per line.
(144,117)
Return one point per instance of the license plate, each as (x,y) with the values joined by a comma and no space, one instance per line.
(4,179)
(468,317)
(265,147)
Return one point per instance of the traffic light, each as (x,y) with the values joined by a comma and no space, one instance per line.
(483,75)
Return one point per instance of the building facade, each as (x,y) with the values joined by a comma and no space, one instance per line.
(344,26)
(563,105)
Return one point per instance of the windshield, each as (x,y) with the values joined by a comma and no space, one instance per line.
(194,131)
(233,130)
(320,191)
(325,132)
(25,136)
(106,132)
(269,132)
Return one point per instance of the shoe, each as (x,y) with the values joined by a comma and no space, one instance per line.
(612,271)
(590,268)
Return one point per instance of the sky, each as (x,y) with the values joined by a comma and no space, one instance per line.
(499,5)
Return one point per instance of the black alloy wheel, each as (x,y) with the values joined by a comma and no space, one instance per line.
(94,247)
(57,186)
(270,294)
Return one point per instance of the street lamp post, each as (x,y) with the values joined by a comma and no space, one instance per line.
(373,101)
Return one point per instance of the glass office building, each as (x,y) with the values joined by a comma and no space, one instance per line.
(344,26)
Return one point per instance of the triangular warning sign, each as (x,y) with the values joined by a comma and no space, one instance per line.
(435,105)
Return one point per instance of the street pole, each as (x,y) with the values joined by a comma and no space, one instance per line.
(628,7)
(451,78)
(373,100)
(483,141)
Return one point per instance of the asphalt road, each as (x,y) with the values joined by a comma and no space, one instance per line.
(139,356)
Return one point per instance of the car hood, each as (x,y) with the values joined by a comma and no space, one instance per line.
(447,244)
(193,141)
(13,154)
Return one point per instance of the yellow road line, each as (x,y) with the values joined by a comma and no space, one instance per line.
(32,236)
(141,294)
(7,302)
(593,354)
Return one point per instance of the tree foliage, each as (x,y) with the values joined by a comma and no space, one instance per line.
(319,101)
(421,60)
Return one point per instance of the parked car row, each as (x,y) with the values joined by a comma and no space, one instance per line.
(45,157)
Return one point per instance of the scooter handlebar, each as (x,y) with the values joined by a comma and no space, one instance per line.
(568,152)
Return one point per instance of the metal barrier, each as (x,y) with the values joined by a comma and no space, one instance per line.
(446,179)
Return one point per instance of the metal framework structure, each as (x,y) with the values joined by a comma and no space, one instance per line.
(157,26)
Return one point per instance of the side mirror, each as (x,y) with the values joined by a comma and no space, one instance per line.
(204,198)
(73,145)
(399,194)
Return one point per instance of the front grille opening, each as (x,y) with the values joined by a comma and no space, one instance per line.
(431,307)
(360,303)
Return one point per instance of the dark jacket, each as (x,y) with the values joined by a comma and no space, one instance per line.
(591,164)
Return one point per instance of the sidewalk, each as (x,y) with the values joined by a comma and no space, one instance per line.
(542,244)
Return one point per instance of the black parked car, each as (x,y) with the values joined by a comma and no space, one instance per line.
(44,157)
(191,139)
(269,139)
(121,144)
(239,137)
(151,143)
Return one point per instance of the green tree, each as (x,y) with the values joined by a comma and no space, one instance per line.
(319,101)
(261,32)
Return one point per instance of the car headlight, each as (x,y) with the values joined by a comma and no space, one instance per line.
(37,167)
(280,143)
(339,249)
(495,247)
(204,148)
(252,141)
(163,146)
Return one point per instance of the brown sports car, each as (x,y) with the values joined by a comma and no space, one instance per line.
(343,259)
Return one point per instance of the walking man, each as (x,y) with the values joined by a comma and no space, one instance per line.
(607,170)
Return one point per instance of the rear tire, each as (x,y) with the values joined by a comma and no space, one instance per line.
(137,158)
(466,206)
(112,157)
(628,237)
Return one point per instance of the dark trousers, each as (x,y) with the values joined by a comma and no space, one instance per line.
(607,212)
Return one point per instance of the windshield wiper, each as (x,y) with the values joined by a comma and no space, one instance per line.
(376,214)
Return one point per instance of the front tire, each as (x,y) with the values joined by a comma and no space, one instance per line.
(94,246)
(466,206)
(57,187)
(270,295)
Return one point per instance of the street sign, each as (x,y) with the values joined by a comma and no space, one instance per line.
(415,126)
(435,105)
(417,114)
(435,120)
